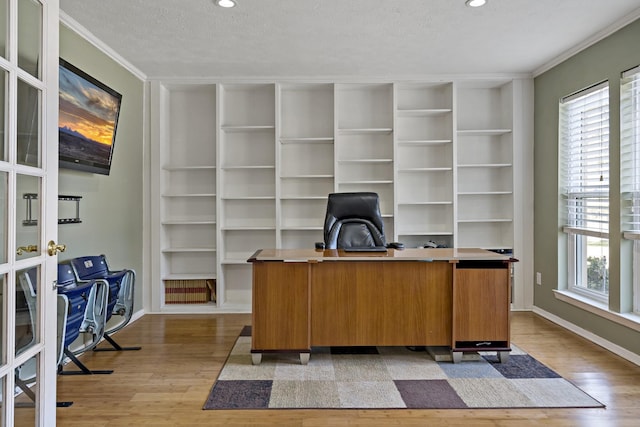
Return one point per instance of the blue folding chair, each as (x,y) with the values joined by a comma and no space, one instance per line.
(25,374)
(121,290)
(86,303)
(26,314)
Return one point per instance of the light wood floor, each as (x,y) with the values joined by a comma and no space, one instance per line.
(167,382)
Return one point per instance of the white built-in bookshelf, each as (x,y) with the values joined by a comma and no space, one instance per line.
(242,166)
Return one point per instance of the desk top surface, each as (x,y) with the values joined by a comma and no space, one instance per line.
(409,254)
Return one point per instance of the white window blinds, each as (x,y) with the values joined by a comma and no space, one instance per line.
(630,149)
(584,136)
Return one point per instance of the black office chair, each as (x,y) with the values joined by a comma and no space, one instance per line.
(353,222)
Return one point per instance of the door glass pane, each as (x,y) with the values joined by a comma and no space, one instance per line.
(3,124)
(29,36)
(26,393)
(3,28)
(26,308)
(3,331)
(28,125)
(28,216)
(2,394)
(4,207)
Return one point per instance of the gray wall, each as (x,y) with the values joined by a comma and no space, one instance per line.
(111,206)
(602,61)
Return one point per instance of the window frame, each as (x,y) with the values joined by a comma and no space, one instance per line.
(630,170)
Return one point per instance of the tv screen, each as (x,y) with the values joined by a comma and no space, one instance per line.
(88,118)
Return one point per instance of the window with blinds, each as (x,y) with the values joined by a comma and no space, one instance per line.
(630,170)
(584,142)
(630,151)
(584,137)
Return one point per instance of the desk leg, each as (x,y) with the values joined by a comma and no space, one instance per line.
(256,358)
(456,356)
(304,358)
(503,356)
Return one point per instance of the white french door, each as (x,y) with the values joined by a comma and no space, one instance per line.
(28,185)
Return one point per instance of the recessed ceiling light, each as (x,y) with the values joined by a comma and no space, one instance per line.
(475,3)
(226,3)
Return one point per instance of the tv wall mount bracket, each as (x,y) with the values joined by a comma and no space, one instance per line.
(30,197)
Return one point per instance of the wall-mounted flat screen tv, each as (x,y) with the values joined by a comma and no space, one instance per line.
(88,119)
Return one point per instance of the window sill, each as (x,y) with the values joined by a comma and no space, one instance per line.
(630,320)
(631,235)
(586,232)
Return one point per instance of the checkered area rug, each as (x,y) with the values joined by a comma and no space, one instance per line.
(388,377)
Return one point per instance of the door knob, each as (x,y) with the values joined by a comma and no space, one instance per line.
(53,248)
(29,248)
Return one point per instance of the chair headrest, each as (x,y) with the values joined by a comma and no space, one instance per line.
(354,205)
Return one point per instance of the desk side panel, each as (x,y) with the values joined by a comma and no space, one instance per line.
(280,306)
(381,303)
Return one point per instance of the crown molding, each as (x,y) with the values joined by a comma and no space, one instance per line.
(588,42)
(73,25)
(338,79)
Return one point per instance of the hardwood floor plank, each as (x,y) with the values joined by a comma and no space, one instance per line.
(167,382)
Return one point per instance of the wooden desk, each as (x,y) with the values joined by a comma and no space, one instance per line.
(458,298)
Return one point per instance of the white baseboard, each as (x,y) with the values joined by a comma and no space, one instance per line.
(137,315)
(596,339)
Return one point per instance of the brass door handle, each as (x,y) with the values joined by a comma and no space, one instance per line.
(53,248)
(29,248)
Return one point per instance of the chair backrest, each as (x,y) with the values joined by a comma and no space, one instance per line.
(86,310)
(77,296)
(121,282)
(95,267)
(90,267)
(66,276)
(353,220)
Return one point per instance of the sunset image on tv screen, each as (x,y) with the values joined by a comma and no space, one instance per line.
(87,121)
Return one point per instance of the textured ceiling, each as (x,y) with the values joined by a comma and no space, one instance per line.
(312,38)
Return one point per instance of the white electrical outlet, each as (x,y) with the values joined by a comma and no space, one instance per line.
(539,278)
